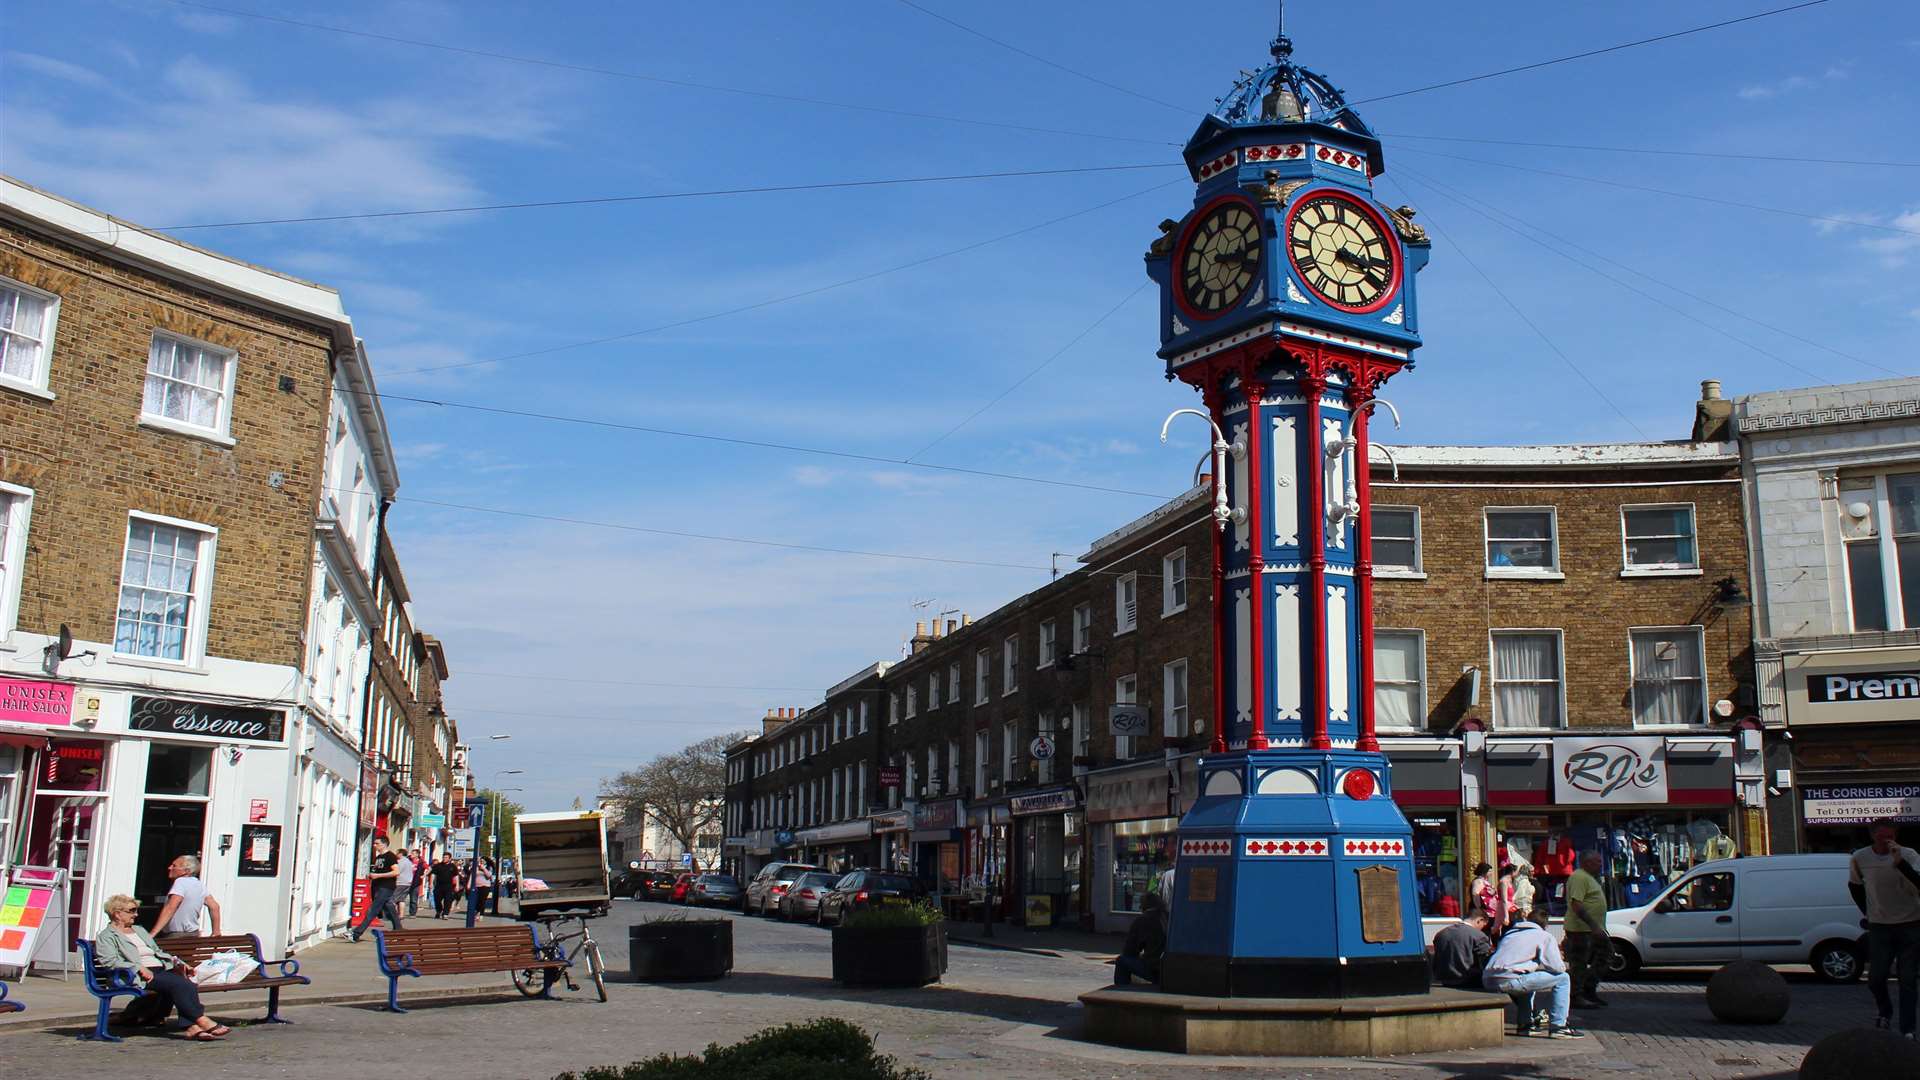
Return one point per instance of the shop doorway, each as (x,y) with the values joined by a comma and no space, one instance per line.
(167,830)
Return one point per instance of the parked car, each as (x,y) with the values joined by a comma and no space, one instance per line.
(633,881)
(1777,909)
(682,885)
(715,890)
(864,889)
(657,885)
(802,899)
(770,884)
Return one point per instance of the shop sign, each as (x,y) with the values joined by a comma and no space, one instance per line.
(1858,805)
(257,810)
(1045,802)
(1861,686)
(783,837)
(1041,748)
(892,821)
(30,701)
(889,776)
(1127,720)
(229,722)
(1517,823)
(941,814)
(1610,771)
(430,821)
(1128,796)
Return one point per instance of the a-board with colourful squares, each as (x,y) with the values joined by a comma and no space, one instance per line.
(22,911)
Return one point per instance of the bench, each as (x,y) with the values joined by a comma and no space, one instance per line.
(9,1006)
(270,976)
(105,985)
(460,951)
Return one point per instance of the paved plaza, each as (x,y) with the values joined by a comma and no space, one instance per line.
(1001,1013)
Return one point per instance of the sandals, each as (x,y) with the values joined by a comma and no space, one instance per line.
(212,1034)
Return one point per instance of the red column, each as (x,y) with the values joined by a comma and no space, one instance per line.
(1256,562)
(1358,399)
(1315,460)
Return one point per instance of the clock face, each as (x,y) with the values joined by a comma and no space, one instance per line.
(1341,251)
(1220,259)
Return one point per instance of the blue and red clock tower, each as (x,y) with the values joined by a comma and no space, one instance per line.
(1287,300)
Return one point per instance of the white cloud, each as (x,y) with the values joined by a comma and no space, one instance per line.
(58,69)
(1893,247)
(812,476)
(1793,83)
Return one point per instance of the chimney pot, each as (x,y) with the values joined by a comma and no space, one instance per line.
(1710,389)
(952,624)
(965,619)
(919,629)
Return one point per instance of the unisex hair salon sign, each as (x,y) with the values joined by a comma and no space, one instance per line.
(167,716)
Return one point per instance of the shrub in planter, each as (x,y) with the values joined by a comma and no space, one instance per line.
(677,948)
(891,946)
(822,1048)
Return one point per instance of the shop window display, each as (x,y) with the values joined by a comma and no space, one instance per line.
(1436,865)
(1643,851)
(1141,850)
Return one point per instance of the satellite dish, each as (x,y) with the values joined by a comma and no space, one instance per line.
(66,642)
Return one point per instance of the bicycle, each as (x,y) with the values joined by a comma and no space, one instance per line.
(563,945)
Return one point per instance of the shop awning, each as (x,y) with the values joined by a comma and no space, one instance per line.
(1425,772)
(1128,794)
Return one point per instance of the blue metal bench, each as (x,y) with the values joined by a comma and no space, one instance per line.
(9,1006)
(105,985)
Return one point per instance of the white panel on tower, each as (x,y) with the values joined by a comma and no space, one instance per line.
(1286,652)
(1240,529)
(1335,489)
(1286,483)
(1243,656)
(1338,700)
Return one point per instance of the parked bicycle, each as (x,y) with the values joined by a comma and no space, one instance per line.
(565,944)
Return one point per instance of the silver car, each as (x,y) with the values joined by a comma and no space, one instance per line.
(714,890)
(770,884)
(802,900)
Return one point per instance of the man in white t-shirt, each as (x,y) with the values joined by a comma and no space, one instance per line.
(1884,879)
(185,900)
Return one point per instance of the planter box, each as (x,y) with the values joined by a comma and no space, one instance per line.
(689,951)
(890,956)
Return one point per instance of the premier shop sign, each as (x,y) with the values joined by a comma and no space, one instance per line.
(1862,686)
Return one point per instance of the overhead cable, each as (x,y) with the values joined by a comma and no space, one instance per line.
(1654,151)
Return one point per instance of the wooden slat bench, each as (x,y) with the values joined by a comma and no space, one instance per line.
(270,976)
(460,951)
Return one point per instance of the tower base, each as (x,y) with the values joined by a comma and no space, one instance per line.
(1321,977)
(1147,1019)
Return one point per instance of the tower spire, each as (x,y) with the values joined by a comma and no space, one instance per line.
(1282,44)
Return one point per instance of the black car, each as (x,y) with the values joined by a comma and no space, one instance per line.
(864,889)
(641,884)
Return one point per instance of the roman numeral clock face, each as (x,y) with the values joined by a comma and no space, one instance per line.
(1342,253)
(1220,260)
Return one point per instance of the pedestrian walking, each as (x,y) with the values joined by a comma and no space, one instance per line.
(482,886)
(1527,962)
(1146,943)
(1480,891)
(186,898)
(444,873)
(1884,879)
(382,873)
(406,883)
(1588,947)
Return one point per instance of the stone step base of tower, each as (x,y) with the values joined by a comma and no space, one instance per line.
(1440,1019)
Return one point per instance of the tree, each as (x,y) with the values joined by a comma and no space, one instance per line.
(685,792)
(509,811)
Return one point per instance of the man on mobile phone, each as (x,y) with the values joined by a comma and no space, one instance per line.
(1884,879)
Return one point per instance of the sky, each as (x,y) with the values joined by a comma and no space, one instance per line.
(876,320)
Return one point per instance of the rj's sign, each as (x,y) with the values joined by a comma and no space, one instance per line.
(1855,686)
(1610,770)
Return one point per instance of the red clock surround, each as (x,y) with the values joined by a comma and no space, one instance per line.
(1393,248)
(1186,238)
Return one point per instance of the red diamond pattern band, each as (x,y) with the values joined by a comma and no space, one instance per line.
(1262,847)
(1220,848)
(1376,847)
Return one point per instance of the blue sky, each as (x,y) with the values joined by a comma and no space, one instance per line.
(171,115)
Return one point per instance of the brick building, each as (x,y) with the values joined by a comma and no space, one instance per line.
(165,476)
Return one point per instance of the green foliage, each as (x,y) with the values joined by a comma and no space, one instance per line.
(893,915)
(819,1048)
(681,917)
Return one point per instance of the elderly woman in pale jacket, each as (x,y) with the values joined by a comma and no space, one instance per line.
(124,946)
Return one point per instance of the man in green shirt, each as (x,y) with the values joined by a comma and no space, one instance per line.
(1586,943)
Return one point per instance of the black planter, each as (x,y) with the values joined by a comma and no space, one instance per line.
(889,956)
(692,950)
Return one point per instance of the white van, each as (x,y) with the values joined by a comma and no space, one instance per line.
(1777,909)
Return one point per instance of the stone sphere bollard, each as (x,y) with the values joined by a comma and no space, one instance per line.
(1860,1053)
(1747,992)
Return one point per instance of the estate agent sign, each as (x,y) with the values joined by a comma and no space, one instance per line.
(1610,771)
(227,722)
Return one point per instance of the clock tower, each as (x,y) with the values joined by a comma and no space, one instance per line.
(1287,300)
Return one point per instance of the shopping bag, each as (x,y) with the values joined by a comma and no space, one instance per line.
(224,968)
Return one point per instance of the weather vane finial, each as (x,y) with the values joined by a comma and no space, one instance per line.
(1282,45)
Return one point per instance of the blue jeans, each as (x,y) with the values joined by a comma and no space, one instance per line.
(1894,948)
(1535,981)
(1126,967)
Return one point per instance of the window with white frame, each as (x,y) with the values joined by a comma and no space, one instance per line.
(953,766)
(863,716)
(1396,540)
(981,754)
(953,682)
(1082,732)
(1880,525)
(1659,537)
(981,660)
(913,701)
(1083,628)
(1173,583)
(15,505)
(933,769)
(163,589)
(27,317)
(933,689)
(1047,643)
(1044,766)
(1399,679)
(1173,700)
(1126,691)
(1669,676)
(893,708)
(1526,679)
(1008,755)
(1126,603)
(189,385)
(1522,541)
(1010,661)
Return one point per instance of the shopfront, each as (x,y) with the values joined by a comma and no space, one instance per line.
(936,840)
(1135,828)
(890,830)
(1047,885)
(1426,780)
(839,847)
(987,850)
(1855,751)
(1652,806)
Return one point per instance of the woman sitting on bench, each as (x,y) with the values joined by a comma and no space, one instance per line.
(126,947)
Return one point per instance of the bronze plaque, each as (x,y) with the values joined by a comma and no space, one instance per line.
(1203,885)
(1379,903)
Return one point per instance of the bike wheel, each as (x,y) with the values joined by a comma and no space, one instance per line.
(597,968)
(529,981)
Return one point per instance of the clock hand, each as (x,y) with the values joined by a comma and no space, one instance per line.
(1357,260)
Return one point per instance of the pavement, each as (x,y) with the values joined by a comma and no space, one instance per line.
(1007,1010)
